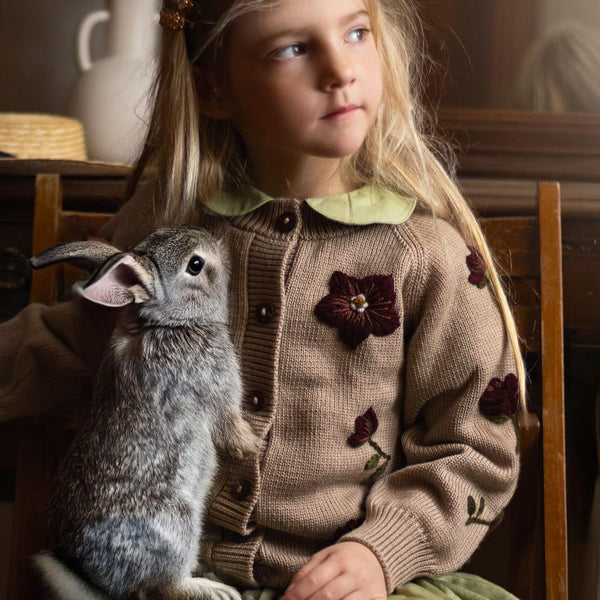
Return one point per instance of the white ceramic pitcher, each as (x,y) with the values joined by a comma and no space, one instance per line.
(111,96)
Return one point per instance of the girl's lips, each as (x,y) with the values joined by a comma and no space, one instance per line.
(340,112)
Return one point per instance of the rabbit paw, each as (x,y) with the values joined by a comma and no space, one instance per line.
(201,588)
(193,588)
(237,439)
(246,444)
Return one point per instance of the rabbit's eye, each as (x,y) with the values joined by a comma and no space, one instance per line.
(195,266)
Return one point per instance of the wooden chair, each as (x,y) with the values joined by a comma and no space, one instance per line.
(41,442)
(527,554)
(529,253)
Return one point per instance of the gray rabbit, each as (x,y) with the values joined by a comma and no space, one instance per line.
(125,513)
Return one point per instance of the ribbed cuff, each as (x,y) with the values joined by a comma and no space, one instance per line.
(399,543)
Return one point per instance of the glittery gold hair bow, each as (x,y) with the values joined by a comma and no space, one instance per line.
(178,14)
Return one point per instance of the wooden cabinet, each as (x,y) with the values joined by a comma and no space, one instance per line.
(96,187)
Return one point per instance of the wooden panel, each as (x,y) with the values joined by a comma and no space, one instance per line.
(48,204)
(67,168)
(553,421)
(515,242)
(524,144)
(81,226)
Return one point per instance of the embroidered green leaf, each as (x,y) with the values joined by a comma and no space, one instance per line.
(499,420)
(378,473)
(372,462)
(476,518)
(481,507)
(471,506)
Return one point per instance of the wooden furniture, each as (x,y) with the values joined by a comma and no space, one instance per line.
(529,253)
(86,186)
(524,144)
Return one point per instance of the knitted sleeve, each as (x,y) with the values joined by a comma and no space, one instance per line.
(461,465)
(48,354)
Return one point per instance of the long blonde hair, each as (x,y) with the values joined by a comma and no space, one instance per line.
(192,155)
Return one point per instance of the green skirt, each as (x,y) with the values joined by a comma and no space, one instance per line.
(456,586)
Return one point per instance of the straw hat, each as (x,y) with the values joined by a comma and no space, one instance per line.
(29,135)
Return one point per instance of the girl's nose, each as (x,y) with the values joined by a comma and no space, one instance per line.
(338,71)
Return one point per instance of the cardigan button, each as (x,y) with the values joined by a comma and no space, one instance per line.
(265,313)
(241,489)
(256,401)
(286,222)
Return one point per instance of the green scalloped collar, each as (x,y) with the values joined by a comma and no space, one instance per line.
(364,206)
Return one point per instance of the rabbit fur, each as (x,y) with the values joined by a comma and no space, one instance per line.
(125,513)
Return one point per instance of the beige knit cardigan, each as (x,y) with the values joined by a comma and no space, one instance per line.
(305,389)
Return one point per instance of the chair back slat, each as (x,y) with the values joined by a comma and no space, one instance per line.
(553,417)
(46,233)
(528,252)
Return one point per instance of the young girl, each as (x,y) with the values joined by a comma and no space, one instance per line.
(380,360)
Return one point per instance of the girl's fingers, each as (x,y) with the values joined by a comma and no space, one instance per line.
(312,578)
(337,589)
(314,561)
(360,595)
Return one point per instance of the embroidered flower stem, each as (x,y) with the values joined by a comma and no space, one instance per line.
(365,426)
(379,451)
(375,460)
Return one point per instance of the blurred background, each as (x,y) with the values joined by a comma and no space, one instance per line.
(37,46)
(480,47)
(496,53)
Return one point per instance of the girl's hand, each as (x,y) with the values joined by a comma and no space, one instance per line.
(344,571)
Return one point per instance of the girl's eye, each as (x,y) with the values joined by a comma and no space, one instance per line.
(195,266)
(358,35)
(287,52)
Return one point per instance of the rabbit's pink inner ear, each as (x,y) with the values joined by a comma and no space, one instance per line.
(108,292)
(122,283)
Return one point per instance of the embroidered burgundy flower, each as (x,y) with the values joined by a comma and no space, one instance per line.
(359,307)
(476,265)
(364,427)
(500,400)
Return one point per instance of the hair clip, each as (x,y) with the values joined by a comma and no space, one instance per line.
(177,14)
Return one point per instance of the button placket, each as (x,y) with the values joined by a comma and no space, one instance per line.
(266,260)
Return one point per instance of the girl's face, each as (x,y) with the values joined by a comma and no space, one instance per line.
(303,79)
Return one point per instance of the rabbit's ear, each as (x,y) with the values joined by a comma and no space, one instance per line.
(122,280)
(85,255)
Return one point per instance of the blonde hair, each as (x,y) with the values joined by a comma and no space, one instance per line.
(192,156)
(561,71)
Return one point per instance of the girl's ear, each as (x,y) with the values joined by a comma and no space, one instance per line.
(212,100)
